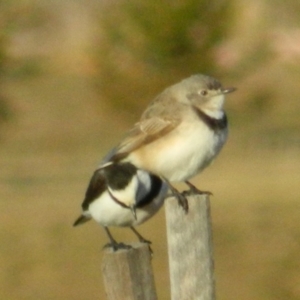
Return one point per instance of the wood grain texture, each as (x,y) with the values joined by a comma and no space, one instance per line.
(190,249)
(128,274)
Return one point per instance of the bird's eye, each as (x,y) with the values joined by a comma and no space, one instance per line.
(203,92)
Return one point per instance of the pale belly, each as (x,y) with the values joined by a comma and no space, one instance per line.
(181,154)
(107,212)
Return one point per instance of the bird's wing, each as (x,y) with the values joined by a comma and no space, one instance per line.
(144,132)
(107,157)
(96,187)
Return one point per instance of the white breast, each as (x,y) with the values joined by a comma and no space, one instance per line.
(182,153)
(107,212)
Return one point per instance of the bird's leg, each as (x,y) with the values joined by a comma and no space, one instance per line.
(182,201)
(113,243)
(193,190)
(141,239)
(139,236)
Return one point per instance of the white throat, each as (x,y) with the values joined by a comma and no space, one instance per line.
(214,108)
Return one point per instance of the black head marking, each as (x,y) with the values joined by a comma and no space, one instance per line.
(156,184)
(213,123)
(118,175)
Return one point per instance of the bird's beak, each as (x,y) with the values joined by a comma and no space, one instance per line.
(133,211)
(228,90)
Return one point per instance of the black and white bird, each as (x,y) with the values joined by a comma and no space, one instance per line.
(180,133)
(119,194)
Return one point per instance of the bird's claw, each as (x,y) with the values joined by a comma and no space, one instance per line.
(117,246)
(195,191)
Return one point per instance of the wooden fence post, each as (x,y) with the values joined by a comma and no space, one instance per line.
(190,249)
(128,274)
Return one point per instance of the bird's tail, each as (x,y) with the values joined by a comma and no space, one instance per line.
(81,220)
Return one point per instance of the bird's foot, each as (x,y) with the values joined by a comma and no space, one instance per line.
(182,201)
(195,191)
(117,246)
(142,239)
(113,243)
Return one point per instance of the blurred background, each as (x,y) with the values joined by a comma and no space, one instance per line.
(74,77)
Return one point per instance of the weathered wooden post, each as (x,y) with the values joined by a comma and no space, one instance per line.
(128,273)
(190,249)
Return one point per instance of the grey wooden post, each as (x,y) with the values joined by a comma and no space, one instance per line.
(190,249)
(128,274)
